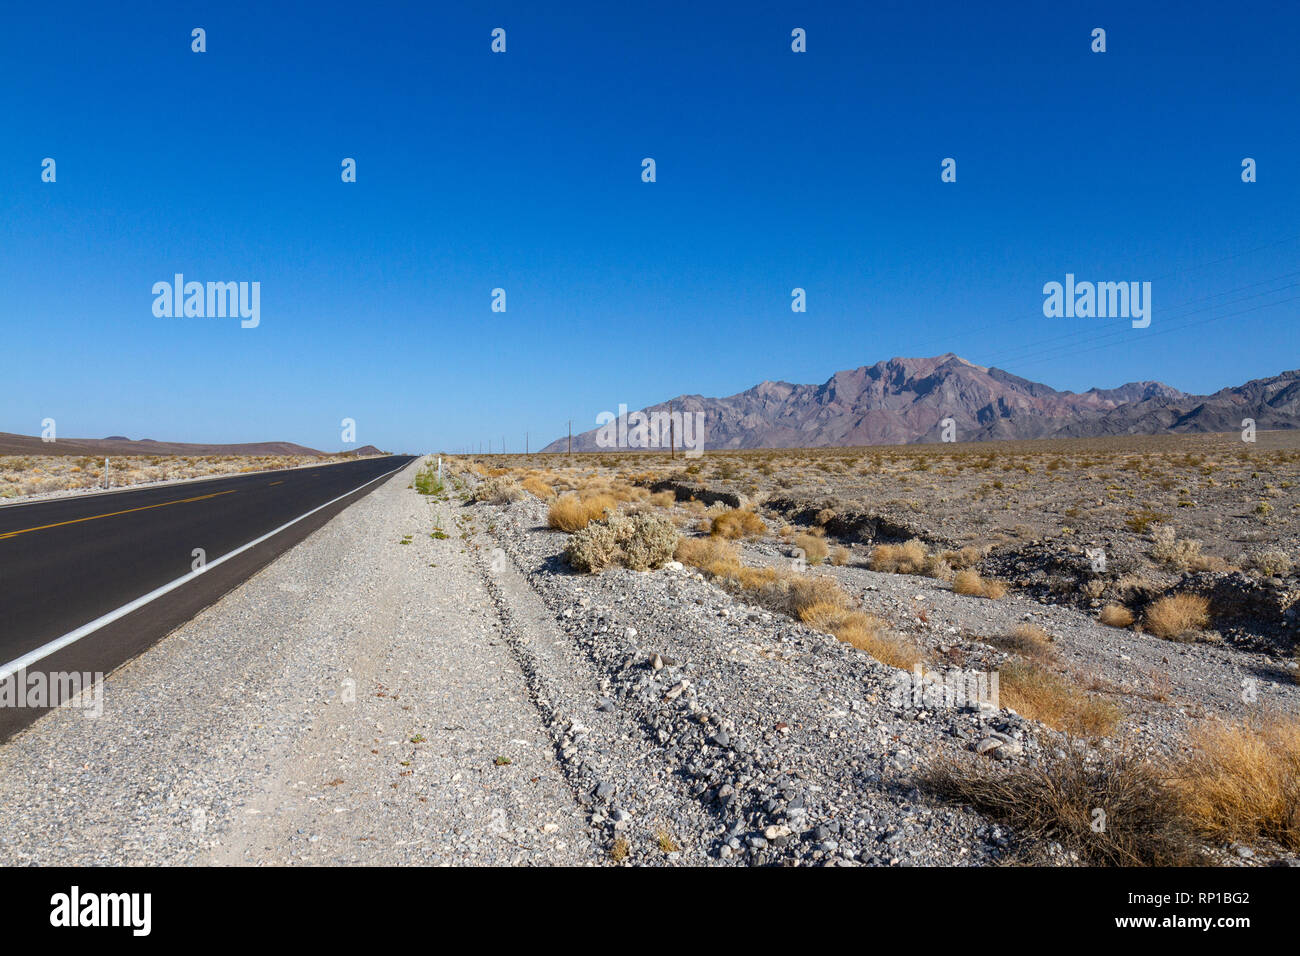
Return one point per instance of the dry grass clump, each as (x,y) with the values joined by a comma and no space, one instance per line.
(620,491)
(1242,781)
(663,499)
(804,591)
(638,541)
(840,556)
(813,547)
(713,556)
(1041,695)
(498,490)
(573,512)
(538,487)
(737,523)
(1178,616)
(861,630)
(1056,799)
(907,558)
(967,557)
(1116,615)
(1027,640)
(970,583)
(814,599)
(665,840)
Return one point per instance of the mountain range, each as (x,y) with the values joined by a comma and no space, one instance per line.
(906,400)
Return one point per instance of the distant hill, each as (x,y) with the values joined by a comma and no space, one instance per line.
(905,400)
(119,446)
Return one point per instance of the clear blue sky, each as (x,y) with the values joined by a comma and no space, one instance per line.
(775,170)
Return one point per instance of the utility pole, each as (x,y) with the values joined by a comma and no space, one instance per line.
(672,434)
(570,436)
(525,443)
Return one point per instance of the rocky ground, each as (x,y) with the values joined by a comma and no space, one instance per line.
(793,744)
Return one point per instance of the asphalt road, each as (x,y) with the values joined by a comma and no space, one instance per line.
(67,563)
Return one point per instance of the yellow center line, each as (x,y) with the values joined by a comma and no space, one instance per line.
(111,514)
(280,482)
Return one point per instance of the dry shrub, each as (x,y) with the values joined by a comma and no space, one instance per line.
(907,558)
(1054,800)
(538,487)
(970,583)
(813,547)
(663,499)
(1116,615)
(1178,616)
(1242,781)
(1182,554)
(498,490)
(1041,695)
(648,540)
(737,523)
(1270,562)
(840,556)
(572,512)
(637,541)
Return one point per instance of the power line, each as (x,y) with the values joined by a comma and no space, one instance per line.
(1216,318)
(1085,336)
(947,339)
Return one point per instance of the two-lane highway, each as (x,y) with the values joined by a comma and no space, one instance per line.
(88,582)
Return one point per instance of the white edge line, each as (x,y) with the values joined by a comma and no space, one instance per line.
(45,650)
